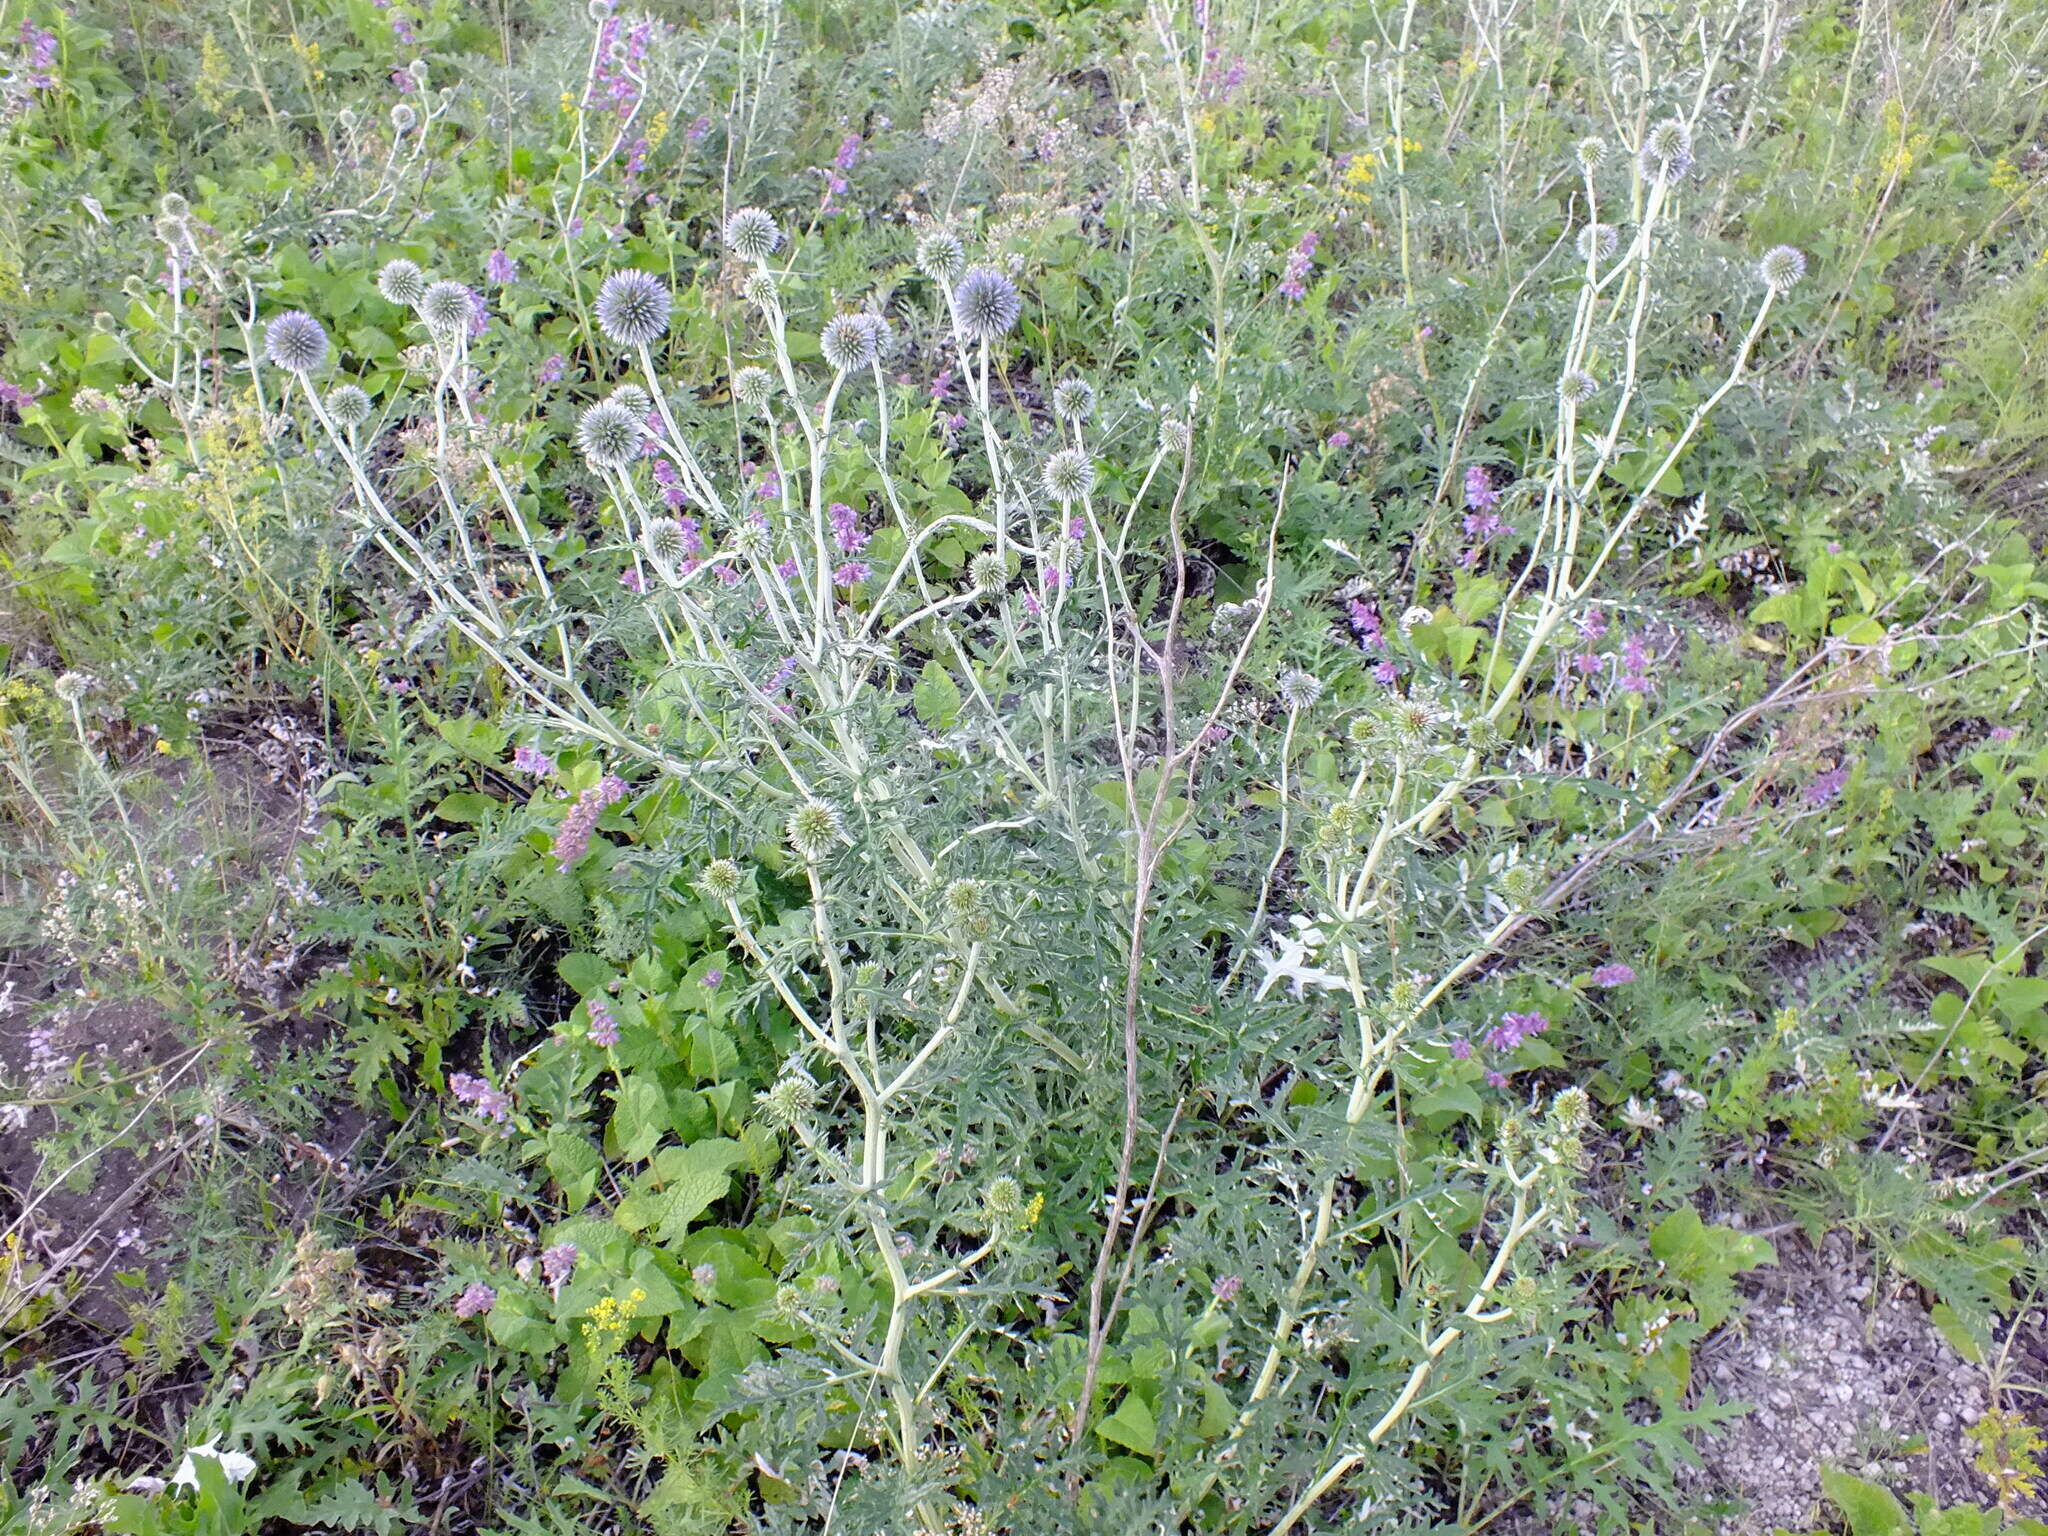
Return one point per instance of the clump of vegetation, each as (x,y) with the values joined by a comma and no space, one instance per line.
(1104,766)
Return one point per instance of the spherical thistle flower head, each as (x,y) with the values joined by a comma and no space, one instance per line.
(348,405)
(446,308)
(963,898)
(665,547)
(988,571)
(939,256)
(1073,399)
(609,436)
(988,304)
(1598,242)
(401,282)
(752,386)
(1003,1197)
(752,234)
(632,307)
(1590,152)
(880,331)
(1782,266)
(633,398)
(761,289)
(1667,150)
(1175,435)
(1069,475)
(1299,690)
(172,205)
(847,343)
(296,342)
(814,829)
(403,117)
(720,880)
(1577,387)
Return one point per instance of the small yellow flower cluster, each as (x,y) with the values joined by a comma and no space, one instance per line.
(658,129)
(568,103)
(2009,181)
(609,1314)
(1358,175)
(1034,1210)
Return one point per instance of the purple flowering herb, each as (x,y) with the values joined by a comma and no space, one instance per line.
(1592,626)
(557,1264)
(1635,665)
(500,269)
(1226,1288)
(532,760)
(1480,493)
(713,979)
(846,529)
(1339,439)
(1613,974)
(1827,787)
(1496,1079)
(1461,1050)
(1300,263)
(2003,733)
(1386,674)
(633,582)
(476,1298)
(552,370)
(604,1029)
(1513,1029)
(852,574)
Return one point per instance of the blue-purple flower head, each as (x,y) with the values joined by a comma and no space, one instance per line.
(988,304)
(849,342)
(401,282)
(1782,266)
(1667,150)
(1513,1029)
(296,342)
(633,308)
(446,308)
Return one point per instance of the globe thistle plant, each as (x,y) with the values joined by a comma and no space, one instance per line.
(814,829)
(1299,690)
(1577,387)
(987,303)
(633,308)
(1667,150)
(295,342)
(939,257)
(1590,152)
(1598,242)
(402,283)
(1069,475)
(446,308)
(720,880)
(1782,267)
(1073,400)
(609,435)
(348,405)
(753,386)
(848,342)
(752,234)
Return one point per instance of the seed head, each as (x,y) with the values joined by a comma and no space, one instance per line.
(988,304)
(1782,266)
(1667,150)
(1590,151)
(752,386)
(401,282)
(720,880)
(1597,242)
(348,405)
(752,234)
(988,572)
(814,829)
(1299,690)
(609,436)
(848,342)
(1073,399)
(632,307)
(446,308)
(939,256)
(296,342)
(1577,387)
(1069,475)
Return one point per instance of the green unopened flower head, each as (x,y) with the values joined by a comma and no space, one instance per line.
(609,436)
(988,571)
(752,234)
(761,289)
(1667,150)
(401,282)
(633,398)
(1003,1197)
(1782,266)
(964,898)
(789,1101)
(752,386)
(1577,387)
(446,308)
(814,829)
(1073,399)
(1299,690)
(720,880)
(1174,434)
(1598,242)
(403,117)
(1069,475)
(1589,152)
(348,405)
(939,256)
(172,205)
